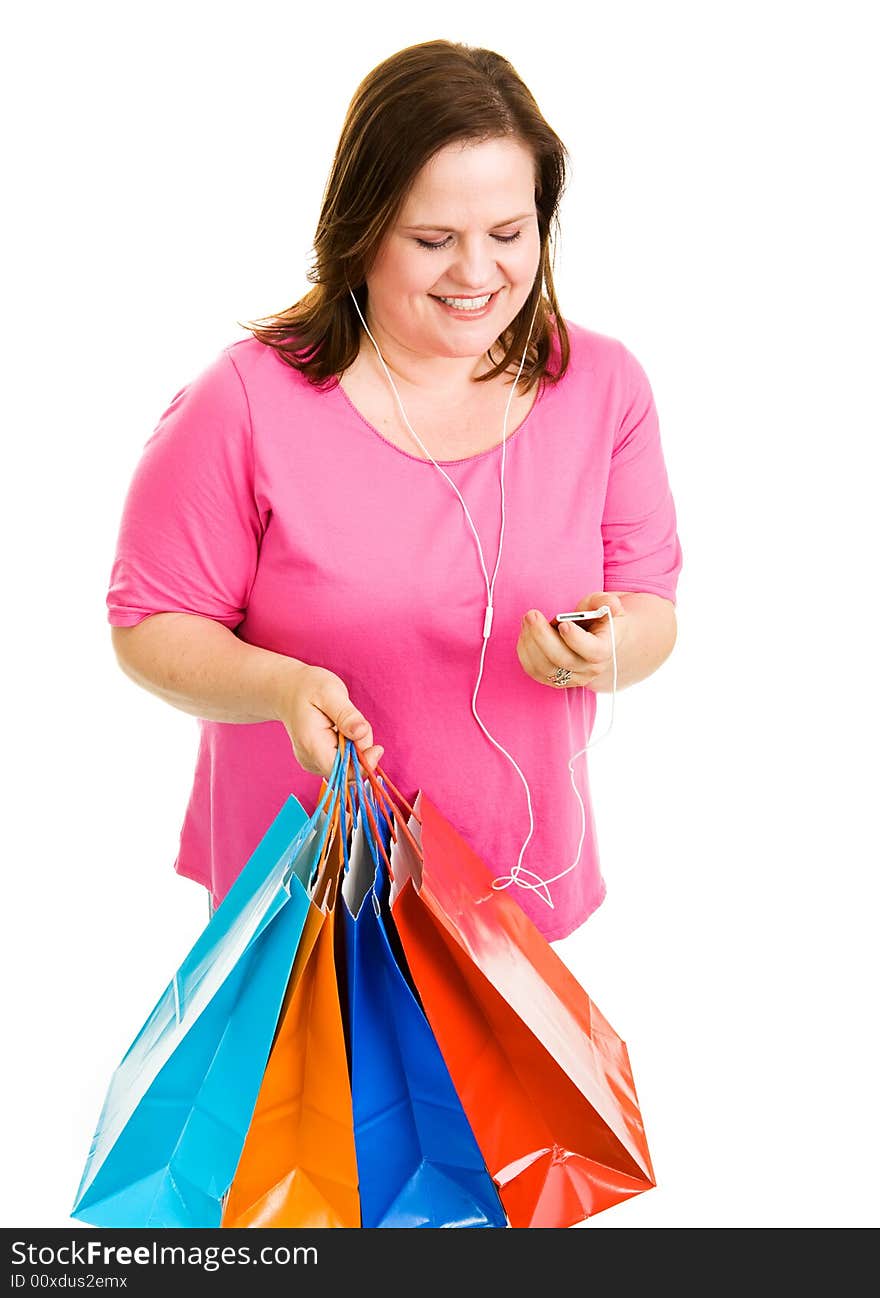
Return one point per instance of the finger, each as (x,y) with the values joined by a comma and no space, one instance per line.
(364,757)
(564,648)
(602,599)
(586,645)
(541,657)
(355,726)
(368,757)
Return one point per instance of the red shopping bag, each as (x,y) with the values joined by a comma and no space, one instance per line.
(544,1079)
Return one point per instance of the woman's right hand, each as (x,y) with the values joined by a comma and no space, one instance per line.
(314,706)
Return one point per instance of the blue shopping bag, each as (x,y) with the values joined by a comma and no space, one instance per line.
(418,1162)
(178,1107)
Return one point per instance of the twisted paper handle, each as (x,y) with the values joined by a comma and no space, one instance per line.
(385,803)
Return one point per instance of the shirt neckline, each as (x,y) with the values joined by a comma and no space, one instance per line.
(543,388)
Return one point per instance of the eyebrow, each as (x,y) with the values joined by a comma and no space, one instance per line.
(448,229)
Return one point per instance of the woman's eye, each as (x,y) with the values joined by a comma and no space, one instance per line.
(501,238)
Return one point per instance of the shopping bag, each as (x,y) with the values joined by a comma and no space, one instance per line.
(419,1164)
(178,1107)
(542,1076)
(298,1166)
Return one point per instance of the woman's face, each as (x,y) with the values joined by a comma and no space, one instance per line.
(467,229)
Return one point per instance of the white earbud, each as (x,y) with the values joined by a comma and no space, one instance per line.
(520,875)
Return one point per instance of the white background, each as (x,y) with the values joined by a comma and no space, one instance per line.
(164,169)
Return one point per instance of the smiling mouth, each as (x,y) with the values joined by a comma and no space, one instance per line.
(476,302)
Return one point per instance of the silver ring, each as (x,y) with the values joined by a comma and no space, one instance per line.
(562,676)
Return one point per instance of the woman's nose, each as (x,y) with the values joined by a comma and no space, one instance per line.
(474,267)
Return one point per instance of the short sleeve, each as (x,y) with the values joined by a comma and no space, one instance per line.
(190,530)
(639,527)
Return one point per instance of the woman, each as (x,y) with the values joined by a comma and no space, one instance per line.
(292,560)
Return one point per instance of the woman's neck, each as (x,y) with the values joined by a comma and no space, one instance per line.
(453,376)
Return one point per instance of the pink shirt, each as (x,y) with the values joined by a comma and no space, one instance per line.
(277,510)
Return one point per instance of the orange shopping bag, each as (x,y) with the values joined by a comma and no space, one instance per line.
(544,1079)
(298,1165)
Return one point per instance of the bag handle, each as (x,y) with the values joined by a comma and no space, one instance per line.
(337,785)
(385,805)
(345,782)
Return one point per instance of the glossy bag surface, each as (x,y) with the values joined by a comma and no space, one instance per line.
(543,1077)
(418,1160)
(298,1166)
(178,1106)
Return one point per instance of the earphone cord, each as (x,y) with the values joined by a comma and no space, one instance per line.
(520,875)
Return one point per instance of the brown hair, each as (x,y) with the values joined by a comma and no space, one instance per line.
(410,106)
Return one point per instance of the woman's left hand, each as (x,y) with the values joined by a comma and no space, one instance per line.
(542,649)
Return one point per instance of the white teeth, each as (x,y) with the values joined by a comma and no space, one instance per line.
(466,303)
